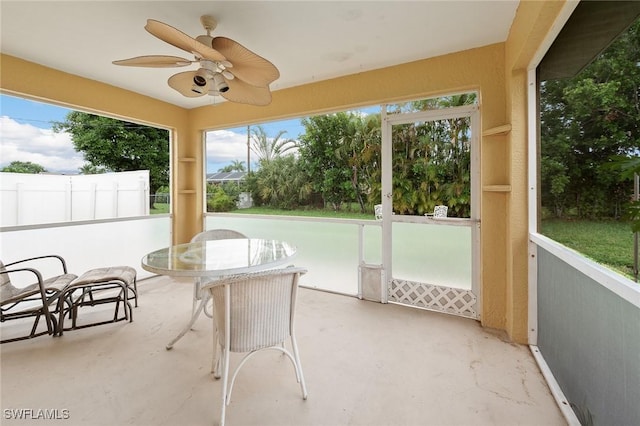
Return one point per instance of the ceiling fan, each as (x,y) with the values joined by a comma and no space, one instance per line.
(226,68)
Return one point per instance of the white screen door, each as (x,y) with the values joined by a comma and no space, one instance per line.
(431,158)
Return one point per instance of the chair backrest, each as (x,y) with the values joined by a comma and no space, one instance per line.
(377,209)
(440,211)
(262,306)
(217,234)
(7,290)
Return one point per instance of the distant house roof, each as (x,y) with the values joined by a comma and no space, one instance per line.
(225,177)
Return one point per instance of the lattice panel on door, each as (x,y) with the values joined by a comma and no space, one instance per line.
(430,296)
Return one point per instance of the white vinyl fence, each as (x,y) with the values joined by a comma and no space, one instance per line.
(29,199)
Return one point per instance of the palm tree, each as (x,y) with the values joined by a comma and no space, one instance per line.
(235,166)
(91,169)
(360,146)
(267,148)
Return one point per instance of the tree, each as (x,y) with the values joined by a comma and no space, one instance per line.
(431,160)
(281,183)
(267,148)
(23,167)
(586,121)
(90,169)
(329,173)
(235,166)
(630,168)
(442,167)
(360,147)
(120,146)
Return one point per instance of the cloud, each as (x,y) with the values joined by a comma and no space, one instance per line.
(55,152)
(24,142)
(223,147)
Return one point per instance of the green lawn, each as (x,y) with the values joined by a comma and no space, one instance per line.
(324,213)
(159,208)
(609,243)
(352,212)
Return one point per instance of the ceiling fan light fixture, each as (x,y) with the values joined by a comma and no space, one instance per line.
(203,74)
(201,81)
(200,90)
(219,83)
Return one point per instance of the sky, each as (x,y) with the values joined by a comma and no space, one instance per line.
(225,146)
(26,135)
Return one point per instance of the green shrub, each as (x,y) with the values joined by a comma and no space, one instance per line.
(281,183)
(220,201)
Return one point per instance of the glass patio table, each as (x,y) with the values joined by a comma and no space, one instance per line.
(212,259)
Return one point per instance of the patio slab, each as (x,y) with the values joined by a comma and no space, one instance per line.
(365,364)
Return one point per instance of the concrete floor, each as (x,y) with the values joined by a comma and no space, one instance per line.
(365,364)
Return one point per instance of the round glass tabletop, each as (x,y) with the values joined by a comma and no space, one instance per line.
(219,257)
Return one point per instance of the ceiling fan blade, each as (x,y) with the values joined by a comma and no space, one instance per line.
(154,61)
(244,93)
(181,40)
(183,83)
(247,66)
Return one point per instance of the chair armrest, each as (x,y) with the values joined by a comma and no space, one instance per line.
(38,275)
(62,261)
(34,271)
(230,279)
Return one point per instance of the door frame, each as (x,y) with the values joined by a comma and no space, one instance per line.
(388,121)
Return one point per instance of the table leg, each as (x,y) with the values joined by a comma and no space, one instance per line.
(203,301)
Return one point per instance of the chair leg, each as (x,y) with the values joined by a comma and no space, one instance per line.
(196,297)
(225,379)
(66,298)
(296,355)
(86,298)
(35,326)
(225,351)
(215,363)
(61,314)
(34,333)
(135,291)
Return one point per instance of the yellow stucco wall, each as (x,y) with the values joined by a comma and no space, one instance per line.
(415,80)
(497,72)
(27,79)
(33,81)
(533,23)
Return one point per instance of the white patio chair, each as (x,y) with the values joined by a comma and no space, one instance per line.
(377,209)
(212,234)
(438,212)
(254,312)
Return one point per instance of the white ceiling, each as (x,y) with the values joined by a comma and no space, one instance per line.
(306,40)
